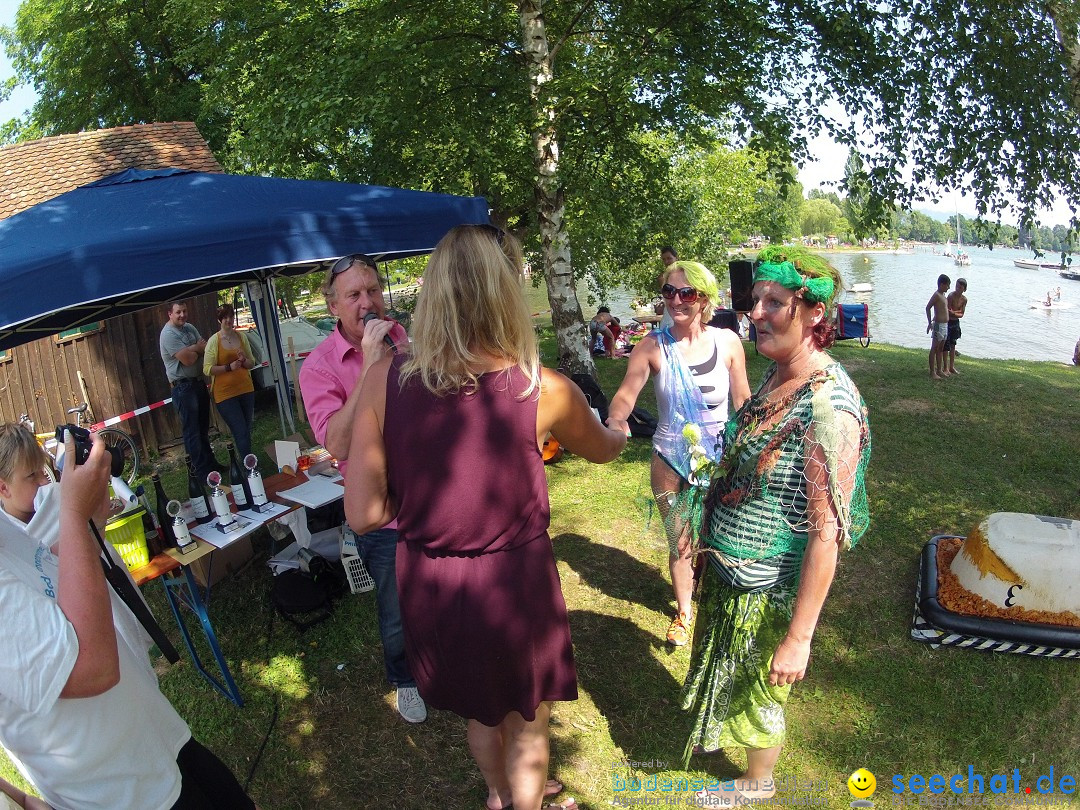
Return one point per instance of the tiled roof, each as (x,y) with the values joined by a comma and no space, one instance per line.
(36,171)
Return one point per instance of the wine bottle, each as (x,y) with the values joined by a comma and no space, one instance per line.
(241,491)
(164,520)
(149,522)
(199,503)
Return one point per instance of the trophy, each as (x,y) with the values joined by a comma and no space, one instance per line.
(184,541)
(255,483)
(226,520)
(220,500)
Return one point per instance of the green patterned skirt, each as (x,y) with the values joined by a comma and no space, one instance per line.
(727,689)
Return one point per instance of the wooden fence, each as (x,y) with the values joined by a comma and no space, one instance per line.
(115,369)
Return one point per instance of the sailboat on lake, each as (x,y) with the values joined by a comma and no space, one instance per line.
(962,258)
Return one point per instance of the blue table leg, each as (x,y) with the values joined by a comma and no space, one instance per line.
(185,590)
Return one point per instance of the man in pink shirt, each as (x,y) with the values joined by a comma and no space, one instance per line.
(330,381)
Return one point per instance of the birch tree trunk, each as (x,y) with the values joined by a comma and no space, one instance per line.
(570,332)
(1065,17)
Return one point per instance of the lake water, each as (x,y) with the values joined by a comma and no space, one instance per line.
(999,323)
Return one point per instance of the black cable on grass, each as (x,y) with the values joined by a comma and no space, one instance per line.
(277,703)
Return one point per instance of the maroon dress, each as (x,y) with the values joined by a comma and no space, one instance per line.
(485,623)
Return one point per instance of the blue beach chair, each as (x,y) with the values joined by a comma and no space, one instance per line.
(853,322)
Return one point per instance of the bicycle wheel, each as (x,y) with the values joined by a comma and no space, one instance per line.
(116,438)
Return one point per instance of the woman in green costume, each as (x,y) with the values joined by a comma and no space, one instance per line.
(785,499)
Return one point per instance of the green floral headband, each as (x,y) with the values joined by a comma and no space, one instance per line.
(818,290)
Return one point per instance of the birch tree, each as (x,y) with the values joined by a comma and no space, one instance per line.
(570,332)
(551,108)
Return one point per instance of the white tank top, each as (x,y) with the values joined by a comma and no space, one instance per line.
(712,378)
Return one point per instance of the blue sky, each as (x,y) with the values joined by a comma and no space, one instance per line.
(24,96)
(827,165)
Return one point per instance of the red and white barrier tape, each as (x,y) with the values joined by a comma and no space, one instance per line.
(116,420)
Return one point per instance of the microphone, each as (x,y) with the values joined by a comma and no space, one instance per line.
(371,316)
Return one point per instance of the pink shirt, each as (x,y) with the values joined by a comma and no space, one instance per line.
(329,375)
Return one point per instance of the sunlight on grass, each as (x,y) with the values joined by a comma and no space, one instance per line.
(285,674)
(1002,437)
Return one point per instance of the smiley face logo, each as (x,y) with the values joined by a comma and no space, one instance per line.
(862,784)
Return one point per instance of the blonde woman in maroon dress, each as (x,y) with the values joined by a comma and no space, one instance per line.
(448,441)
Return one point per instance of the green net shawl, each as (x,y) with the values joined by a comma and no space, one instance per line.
(757,504)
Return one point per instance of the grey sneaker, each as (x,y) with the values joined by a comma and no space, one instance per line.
(410,705)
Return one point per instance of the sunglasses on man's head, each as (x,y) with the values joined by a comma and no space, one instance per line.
(345,262)
(686,294)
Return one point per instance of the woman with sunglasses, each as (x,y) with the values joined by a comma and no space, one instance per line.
(787,496)
(697,368)
(448,440)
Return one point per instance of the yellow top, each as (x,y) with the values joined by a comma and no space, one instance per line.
(230,383)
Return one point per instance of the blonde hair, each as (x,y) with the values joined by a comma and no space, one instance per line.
(19,450)
(702,280)
(471,308)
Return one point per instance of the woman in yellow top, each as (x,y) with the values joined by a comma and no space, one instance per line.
(227,361)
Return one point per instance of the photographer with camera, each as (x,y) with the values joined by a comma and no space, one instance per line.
(81,714)
(26,496)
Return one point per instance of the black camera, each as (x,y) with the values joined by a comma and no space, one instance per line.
(83,444)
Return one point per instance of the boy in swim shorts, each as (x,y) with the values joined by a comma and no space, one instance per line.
(957,302)
(937,326)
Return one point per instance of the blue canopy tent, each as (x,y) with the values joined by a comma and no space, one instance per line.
(142,238)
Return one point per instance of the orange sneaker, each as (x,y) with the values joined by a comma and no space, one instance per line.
(678,634)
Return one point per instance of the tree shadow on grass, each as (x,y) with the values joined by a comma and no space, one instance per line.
(615,572)
(637,695)
(337,740)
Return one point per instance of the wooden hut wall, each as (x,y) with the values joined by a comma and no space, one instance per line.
(121,368)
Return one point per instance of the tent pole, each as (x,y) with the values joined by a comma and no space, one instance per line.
(254,293)
(277,358)
(257,297)
(389,292)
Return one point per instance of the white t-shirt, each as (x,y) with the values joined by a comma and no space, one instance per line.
(44,527)
(116,750)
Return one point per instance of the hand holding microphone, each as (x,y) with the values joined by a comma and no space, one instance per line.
(389,341)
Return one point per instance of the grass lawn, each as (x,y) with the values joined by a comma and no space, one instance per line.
(1001,437)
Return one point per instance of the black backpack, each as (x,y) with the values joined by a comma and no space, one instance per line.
(593,393)
(305,598)
(642,424)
